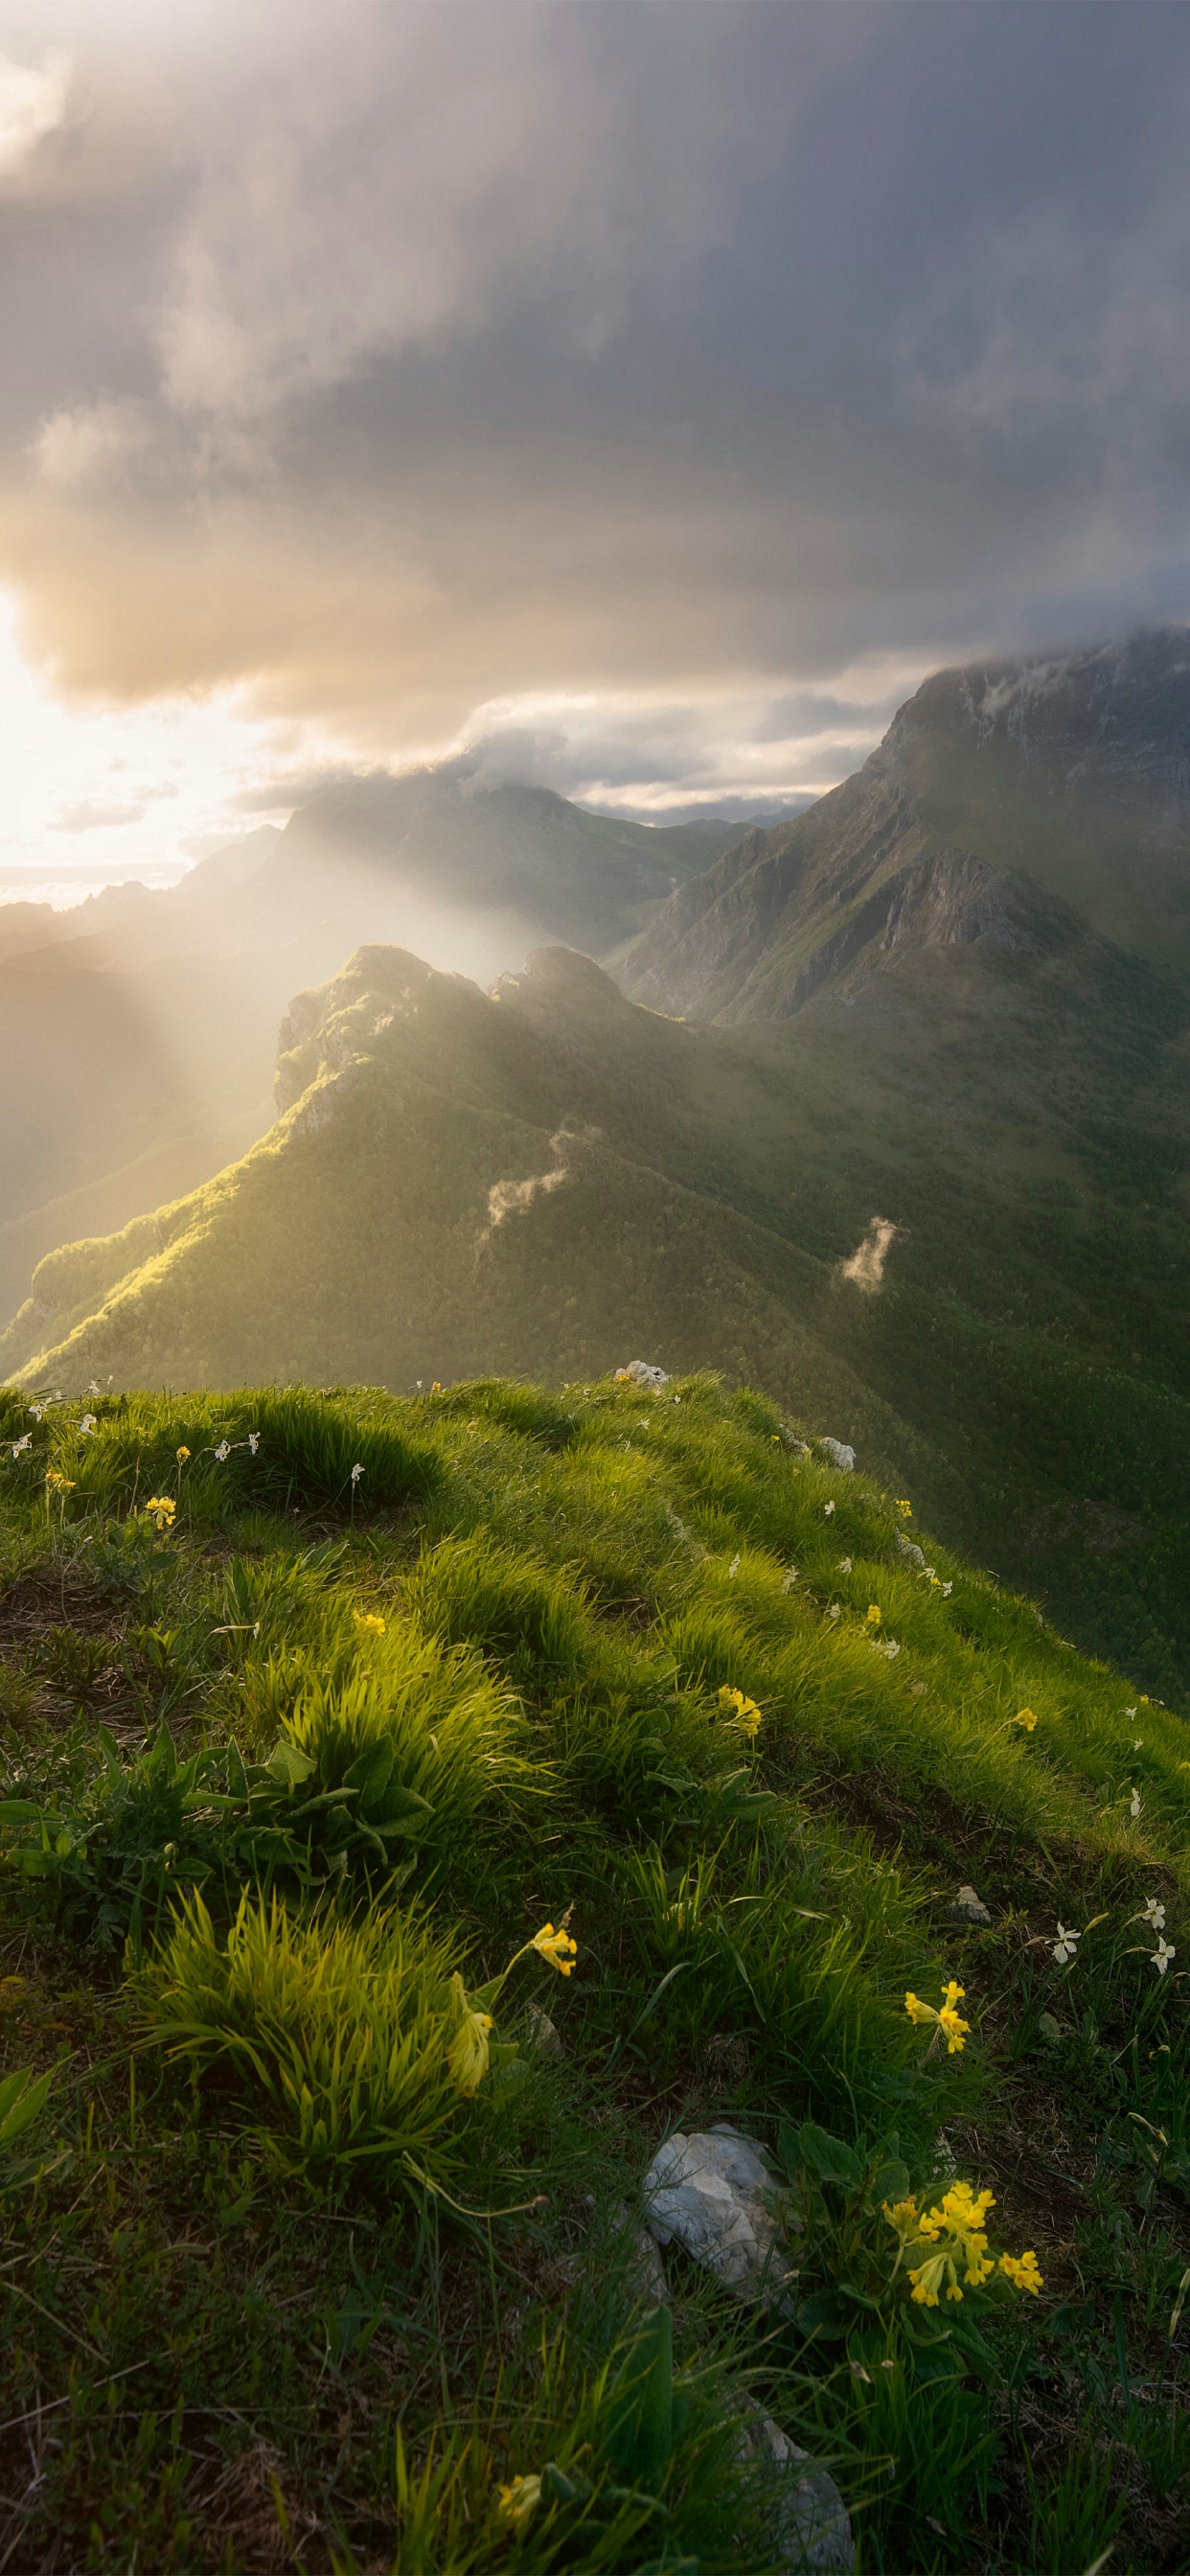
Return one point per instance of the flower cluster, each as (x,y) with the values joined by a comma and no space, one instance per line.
(747,1714)
(557,1947)
(371,1621)
(955,2233)
(947,2020)
(1026,1717)
(469,2053)
(522,2498)
(161,1511)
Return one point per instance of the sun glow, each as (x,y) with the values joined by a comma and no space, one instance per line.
(94,795)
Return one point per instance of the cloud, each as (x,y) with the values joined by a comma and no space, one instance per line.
(90,443)
(865,1269)
(94,818)
(515,1198)
(32,105)
(645,394)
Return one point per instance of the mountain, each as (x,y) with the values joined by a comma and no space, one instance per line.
(961,1277)
(1005,800)
(138,1030)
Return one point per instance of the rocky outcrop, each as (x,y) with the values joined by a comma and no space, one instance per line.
(1012,809)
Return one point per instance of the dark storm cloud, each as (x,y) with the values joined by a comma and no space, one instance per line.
(730,362)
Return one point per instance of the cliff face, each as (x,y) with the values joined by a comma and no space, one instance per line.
(1010,808)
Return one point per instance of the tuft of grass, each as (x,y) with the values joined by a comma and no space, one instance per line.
(336,2034)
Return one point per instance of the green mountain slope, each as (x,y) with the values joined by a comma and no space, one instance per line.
(416,1815)
(550,1180)
(138,1030)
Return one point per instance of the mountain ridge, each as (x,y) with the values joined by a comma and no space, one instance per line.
(1063,781)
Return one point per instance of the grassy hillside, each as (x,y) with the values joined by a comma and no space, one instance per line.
(537,1182)
(319,1710)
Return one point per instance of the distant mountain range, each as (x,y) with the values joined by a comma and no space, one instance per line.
(138,1030)
(917,1163)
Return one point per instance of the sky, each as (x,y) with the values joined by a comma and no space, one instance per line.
(636,395)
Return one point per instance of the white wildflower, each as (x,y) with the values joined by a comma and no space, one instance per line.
(356,1472)
(828,1509)
(1066,1945)
(1164,1952)
(930,1574)
(254,1441)
(789,1578)
(92,1386)
(733,1569)
(223,1451)
(833,1611)
(1138,1743)
(1154,1913)
(86,1426)
(35,1410)
(947,1589)
(18,1445)
(1134,1808)
(844,1565)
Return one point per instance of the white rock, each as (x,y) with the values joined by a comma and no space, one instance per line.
(839,1454)
(642,1375)
(969,1908)
(909,1549)
(813,2528)
(703,2192)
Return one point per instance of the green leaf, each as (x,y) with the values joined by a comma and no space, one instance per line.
(828,2157)
(371,1771)
(21,2098)
(641,2434)
(823,2315)
(288,1765)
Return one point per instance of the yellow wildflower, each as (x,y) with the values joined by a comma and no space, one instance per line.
(57,1483)
(555,1946)
(369,1619)
(747,1714)
(874,1614)
(182,1456)
(903,2216)
(956,2029)
(948,2019)
(520,2499)
(907,1508)
(1021,2270)
(1026,1717)
(160,1509)
(467,2056)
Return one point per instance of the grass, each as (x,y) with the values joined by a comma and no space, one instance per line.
(319,2173)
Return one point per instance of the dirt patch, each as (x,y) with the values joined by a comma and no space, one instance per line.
(253,2514)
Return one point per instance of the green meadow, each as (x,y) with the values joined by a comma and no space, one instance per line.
(413,1813)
